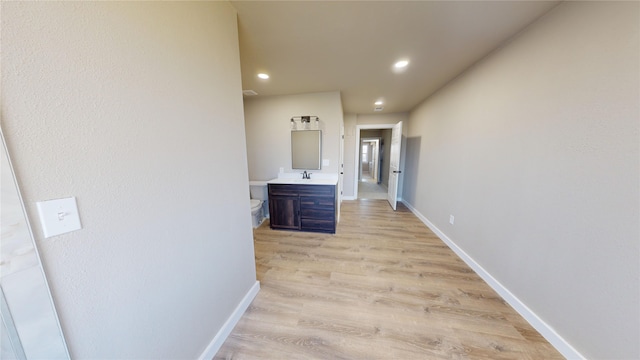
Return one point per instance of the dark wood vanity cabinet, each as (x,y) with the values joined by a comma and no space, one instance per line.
(303,207)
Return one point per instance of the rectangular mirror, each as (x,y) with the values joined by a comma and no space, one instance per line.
(306,149)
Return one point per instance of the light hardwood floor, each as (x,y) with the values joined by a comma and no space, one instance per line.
(383,287)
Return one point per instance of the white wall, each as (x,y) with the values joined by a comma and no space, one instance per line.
(268,131)
(349,154)
(535,152)
(122,105)
(381,119)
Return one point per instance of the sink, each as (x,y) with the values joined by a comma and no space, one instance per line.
(303,180)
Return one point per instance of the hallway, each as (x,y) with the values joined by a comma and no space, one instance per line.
(369,189)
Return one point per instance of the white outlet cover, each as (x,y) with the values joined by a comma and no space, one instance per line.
(451,218)
(325,162)
(59,216)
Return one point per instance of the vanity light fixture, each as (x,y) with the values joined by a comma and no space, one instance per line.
(263,76)
(307,122)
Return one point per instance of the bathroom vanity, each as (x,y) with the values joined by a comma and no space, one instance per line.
(303,204)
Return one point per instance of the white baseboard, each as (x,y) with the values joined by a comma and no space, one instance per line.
(542,327)
(231,322)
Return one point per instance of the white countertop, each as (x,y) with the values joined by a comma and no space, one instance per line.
(296,179)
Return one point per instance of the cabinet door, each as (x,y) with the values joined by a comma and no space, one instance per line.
(285,212)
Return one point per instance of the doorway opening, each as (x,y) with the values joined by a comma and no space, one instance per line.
(372,171)
(374,167)
(377,162)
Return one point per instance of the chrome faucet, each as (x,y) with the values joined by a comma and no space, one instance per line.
(306,175)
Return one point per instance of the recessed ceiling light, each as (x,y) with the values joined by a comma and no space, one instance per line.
(401,64)
(379,102)
(263,76)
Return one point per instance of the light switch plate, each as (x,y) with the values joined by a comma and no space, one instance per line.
(59,216)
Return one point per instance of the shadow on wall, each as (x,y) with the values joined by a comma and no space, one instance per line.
(412,158)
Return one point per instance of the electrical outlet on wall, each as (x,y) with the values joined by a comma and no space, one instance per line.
(451,219)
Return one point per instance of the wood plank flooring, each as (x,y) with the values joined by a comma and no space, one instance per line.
(383,287)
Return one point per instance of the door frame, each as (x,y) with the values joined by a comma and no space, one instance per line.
(357,162)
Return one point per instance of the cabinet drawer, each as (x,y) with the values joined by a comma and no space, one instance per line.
(318,190)
(291,189)
(276,189)
(317,202)
(318,225)
(317,214)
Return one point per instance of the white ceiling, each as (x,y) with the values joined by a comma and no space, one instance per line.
(350,46)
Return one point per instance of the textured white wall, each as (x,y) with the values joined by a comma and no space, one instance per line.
(122,104)
(535,151)
(268,130)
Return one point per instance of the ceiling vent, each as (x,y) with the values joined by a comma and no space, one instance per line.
(378,108)
(249,93)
